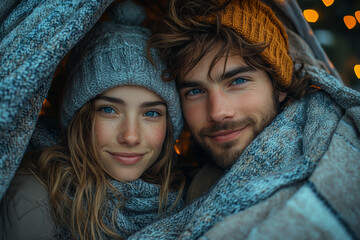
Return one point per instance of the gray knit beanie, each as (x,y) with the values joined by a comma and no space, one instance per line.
(114,53)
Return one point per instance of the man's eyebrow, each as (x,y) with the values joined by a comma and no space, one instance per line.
(187,84)
(152,104)
(236,71)
(111,99)
(226,75)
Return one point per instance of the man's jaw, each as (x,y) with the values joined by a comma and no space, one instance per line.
(225,146)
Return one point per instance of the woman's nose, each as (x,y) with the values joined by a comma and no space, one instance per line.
(129,133)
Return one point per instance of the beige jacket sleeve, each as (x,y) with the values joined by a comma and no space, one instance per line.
(25,210)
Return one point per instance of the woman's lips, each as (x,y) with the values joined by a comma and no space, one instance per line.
(127,158)
(226,136)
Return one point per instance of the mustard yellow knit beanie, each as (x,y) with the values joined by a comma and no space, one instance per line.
(257,23)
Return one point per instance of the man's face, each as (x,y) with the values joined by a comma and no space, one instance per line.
(227,111)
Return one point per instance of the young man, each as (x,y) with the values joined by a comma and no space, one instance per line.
(285,131)
(233,77)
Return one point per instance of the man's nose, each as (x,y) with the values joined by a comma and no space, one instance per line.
(220,106)
(129,132)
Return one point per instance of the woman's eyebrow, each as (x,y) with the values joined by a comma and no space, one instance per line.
(153,104)
(111,99)
(122,102)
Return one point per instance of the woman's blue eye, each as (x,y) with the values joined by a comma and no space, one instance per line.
(151,114)
(194,92)
(238,81)
(107,110)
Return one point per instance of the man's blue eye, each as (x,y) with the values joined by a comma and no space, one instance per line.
(151,114)
(239,81)
(107,110)
(194,92)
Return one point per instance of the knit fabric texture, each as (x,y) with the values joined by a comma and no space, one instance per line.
(113,53)
(257,23)
(286,153)
(137,209)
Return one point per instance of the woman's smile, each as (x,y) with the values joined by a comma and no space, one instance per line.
(127,158)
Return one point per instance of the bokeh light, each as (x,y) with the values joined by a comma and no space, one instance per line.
(349,21)
(311,15)
(357,70)
(328,2)
(357,15)
(339,36)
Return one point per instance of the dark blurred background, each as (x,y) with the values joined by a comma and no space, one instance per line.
(341,44)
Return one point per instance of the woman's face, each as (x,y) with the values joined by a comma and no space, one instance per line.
(130,129)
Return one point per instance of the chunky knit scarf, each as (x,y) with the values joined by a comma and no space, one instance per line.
(138,208)
(286,152)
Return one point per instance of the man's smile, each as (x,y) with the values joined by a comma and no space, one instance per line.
(225,135)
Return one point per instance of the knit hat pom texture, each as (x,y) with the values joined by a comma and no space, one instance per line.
(127,13)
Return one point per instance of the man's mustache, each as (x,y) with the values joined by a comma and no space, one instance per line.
(239,124)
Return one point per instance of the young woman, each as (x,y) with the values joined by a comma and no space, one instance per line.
(112,172)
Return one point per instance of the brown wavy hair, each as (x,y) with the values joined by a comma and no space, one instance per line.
(184,40)
(73,166)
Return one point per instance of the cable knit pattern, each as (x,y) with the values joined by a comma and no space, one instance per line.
(284,154)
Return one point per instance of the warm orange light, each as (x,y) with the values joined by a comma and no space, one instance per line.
(357,15)
(357,70)
(328,2)
(177,150)
(349,21)
(45,105)
(311,15)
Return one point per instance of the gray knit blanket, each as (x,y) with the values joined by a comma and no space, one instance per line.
(285,153)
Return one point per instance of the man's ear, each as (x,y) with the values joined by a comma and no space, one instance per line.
(282,96)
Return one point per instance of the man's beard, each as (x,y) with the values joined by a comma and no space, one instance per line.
(225,154)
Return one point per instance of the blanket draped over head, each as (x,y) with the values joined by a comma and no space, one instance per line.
(34,37)
(284,154)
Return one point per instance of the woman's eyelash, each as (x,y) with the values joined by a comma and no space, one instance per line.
(152,114)
(107,110)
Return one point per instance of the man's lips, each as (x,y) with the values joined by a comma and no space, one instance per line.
(225,135)
(127,158)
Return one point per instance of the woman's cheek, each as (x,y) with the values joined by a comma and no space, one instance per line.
(155,136)
(104,131)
